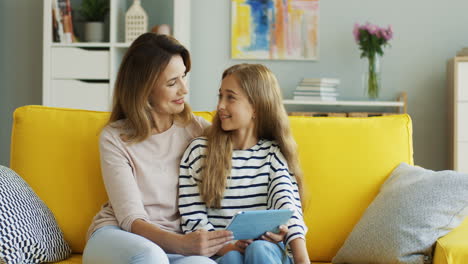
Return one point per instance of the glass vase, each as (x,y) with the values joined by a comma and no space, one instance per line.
(371,78)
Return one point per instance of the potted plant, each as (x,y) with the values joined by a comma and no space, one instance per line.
(94,13)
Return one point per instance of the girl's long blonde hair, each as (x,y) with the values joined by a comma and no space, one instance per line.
(272,123)
(139,73)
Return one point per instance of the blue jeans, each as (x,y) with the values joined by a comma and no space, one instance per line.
(112,245)
(259,252)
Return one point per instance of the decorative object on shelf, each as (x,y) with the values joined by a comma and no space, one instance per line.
(372,39)
(274,29)
(94,13)
(163,29)
(136,21)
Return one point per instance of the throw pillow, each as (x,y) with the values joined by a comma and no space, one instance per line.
(28,230)
(414,207)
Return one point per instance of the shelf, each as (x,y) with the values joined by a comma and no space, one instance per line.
(121,45)
(83,45)
(92,45)
(347,103)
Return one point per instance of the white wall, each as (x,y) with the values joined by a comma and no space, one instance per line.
(427,34)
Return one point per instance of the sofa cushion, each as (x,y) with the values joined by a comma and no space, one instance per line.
(413,209)
(28,231)
(345,161)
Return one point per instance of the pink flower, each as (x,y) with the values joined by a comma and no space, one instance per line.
(372,29)
(366,36)
(356,32)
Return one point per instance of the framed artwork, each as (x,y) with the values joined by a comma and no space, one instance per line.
(274,29)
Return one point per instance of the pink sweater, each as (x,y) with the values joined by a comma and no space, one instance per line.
(141,179)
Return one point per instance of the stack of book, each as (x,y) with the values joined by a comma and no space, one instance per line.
(317,89)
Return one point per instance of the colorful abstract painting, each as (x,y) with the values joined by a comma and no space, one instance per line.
(274,29)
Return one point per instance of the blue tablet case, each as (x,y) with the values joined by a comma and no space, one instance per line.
(253,224)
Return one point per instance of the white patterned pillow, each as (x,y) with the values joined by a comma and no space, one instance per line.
(28,230)
(413,209)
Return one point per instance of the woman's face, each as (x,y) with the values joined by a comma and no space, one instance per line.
(168,95)
(234,109)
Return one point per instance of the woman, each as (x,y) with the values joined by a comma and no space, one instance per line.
(248,161)
(149,128)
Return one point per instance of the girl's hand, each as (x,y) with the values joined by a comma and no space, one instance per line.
(241,245)
(276,238)
(205,243)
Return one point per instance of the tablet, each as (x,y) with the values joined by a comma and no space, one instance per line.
(253,224)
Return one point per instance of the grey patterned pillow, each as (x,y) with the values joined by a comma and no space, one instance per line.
(414,207)
(28,230)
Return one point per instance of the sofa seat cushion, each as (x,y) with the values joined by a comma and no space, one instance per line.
(345,161)
(73,259)
(453,248)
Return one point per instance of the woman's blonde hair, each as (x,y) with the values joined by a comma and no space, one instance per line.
(139,73)
(272,123)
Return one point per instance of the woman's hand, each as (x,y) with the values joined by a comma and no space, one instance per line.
(276,238)
(204,243)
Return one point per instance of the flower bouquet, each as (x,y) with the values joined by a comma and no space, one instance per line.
(372,39)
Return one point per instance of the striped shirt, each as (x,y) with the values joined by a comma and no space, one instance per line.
(259,180)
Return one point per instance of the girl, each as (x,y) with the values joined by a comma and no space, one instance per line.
(149,128)
(248,161)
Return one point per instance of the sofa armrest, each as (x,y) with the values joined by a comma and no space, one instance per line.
(453,248)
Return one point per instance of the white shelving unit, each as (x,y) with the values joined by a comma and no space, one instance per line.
(82,75)
(457,82)
(400,104)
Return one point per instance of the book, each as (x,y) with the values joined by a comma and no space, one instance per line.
(314,98)
(329,81)
(315,93)
(64,6)
(315,88)
(57,26)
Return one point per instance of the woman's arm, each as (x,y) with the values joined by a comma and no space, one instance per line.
(119,180)
(299,250)
(200,242)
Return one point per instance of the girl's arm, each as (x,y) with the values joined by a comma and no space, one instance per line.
(283,193)
(200,242)
(299,250)
(193,211)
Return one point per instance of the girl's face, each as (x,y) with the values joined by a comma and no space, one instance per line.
(168,95)
(234,109)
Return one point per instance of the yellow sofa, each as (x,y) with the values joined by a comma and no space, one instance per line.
(345,160)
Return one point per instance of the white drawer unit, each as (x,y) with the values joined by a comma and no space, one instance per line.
(79,63)
(80,95)
(457,82)
(462,121)
(462,157)
(462,79)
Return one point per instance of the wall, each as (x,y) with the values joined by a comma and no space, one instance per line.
(20,63)
(427,34)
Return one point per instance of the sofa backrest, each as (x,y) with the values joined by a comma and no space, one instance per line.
(345,160)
